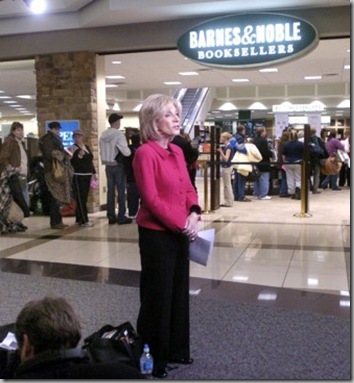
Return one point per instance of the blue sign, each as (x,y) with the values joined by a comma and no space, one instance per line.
(66,131)
(248,40)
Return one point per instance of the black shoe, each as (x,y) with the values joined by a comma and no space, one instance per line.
(124,221)
(337,189)
(112,222)
(59,226)
(22,226)
(160,373)
(182,360)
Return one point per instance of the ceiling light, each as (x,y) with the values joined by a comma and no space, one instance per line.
(344,104)
(188,73)
(116,62)
(240,80)
(10,102)
(4,97)
(25,96)
(115,77)
(172,83)
(346,66)
(137,108)
(116,107)
(313,77)
(111,86)
(268,70)
(36,6)
(228,106)
(257,106)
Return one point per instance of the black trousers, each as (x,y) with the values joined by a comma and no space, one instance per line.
(163,320)
(81,190)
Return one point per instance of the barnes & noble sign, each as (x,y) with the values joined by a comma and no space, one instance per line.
(249,40)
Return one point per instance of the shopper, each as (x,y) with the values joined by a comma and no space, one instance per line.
(51,147)
(261,184)
(113,147)
(133,197)
(13,184)
(332,145)
(226,153)
(84,172)
(167,221)
(293,152)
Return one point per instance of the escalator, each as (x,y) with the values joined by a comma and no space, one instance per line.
(195,106)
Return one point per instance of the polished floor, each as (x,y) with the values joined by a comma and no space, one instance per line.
(266,252)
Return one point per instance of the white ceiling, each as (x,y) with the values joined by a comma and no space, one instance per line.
(144,72)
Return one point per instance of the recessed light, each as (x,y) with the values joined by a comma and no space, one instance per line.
(10,102)
(240,80)
(313,77)
(346,66)
(115,77)
(172,83)
(111,86)
(116,62)
(188,73)
(25,96)
(269,70)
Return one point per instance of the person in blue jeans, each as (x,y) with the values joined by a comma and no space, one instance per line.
(113,148)
(261,185)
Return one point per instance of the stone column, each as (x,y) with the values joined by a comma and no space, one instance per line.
(66,90)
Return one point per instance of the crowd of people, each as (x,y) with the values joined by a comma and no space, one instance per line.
(249,159)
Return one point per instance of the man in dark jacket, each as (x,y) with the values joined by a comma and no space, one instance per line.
(52,148)
(261,185)
(48,332)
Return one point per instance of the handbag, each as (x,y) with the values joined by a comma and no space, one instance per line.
(115,344)
(58,171)
(330,166)
(256,173)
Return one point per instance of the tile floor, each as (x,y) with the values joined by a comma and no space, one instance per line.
(265,252)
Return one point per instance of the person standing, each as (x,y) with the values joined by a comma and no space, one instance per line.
(344,174)
(332,145)
(283,186)
(261,184)
(167,222)
(84,171)
(51,147)
(191,154)
(13,178)
(113,147)
(227,153)
(293,152)
(133,197)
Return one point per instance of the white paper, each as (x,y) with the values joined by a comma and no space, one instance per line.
(201,248)
(10,342)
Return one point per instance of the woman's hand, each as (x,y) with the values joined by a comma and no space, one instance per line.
(191,226)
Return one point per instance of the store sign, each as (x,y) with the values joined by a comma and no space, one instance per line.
(292,108)
(250,40)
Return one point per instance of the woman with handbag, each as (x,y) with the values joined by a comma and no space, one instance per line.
(332,145)
(52,149)
(13,172)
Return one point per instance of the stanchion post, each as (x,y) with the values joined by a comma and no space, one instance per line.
(206,191)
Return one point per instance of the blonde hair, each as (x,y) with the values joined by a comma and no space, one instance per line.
(152,109)
(226,136)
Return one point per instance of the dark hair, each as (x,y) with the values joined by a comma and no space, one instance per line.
(135,138)
(50,324)
(15,125)
(240,128)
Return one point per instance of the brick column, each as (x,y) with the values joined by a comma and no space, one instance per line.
(66,90)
